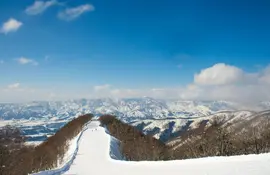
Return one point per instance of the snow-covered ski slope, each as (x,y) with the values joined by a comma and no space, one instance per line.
(93,157)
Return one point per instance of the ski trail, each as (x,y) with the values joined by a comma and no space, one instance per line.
(89,159)
(93,157)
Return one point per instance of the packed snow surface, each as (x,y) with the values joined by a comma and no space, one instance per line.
(93,157)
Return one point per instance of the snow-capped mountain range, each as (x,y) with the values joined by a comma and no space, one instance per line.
(126,109)
(169,130)
(162,118)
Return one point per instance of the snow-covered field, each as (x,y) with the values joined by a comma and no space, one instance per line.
(96,147)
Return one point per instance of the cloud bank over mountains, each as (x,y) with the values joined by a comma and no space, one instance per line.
(218,82)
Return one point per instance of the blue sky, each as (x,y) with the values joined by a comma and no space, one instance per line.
(138,45)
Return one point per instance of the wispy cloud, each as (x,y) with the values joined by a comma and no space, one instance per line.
(14,86)
(218,82)
(24,61)
(12,25)
(17,92)
(73,13)
(40,6)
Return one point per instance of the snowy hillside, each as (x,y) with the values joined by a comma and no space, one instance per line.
(127,109)
(162,118)
(168,129)
(97,153)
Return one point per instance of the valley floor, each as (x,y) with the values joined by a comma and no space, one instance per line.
(93,157)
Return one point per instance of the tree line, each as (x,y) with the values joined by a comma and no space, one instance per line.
(134,145)
(218,140)
(204,141)
(16,158)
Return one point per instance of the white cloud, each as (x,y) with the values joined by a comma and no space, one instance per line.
(252,89)
(16,93)
(14,86)
(24,61)
(218,82)
(104,91)
(39,7)
(265,77)
(73,13)
(226,82)
(12,25)
(239,93)
(219,74)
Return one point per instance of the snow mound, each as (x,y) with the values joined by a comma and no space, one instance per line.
(115,152)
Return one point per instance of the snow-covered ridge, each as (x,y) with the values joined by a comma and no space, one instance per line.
(95,146)
(69,157)
(168,129)
(126,109)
